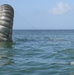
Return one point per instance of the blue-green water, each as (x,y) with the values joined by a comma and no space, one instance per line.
(38,52)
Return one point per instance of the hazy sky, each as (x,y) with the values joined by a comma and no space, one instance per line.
(42,14)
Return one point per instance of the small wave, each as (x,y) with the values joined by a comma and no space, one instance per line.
(24,40)
(55,39)
(67,51)
(49,39)
(61,63)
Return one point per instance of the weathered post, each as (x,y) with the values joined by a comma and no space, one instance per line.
(6,22)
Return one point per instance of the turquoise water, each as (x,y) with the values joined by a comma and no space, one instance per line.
(38,52)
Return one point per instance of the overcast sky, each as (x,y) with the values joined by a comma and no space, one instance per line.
(42,14)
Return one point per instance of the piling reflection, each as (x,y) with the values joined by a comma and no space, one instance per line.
(6,53)
(6,44)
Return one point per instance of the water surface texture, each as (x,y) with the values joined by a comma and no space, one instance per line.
(38,52)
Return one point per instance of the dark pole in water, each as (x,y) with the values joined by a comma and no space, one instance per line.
(6,22)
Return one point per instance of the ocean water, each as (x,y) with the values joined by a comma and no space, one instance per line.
(38,52)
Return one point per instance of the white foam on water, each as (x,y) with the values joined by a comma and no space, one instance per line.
(72,63)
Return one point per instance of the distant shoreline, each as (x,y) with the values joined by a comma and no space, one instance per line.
(45,29)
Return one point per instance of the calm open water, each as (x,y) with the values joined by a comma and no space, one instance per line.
(38,52)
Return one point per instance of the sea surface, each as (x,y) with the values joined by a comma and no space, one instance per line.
(38,52)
